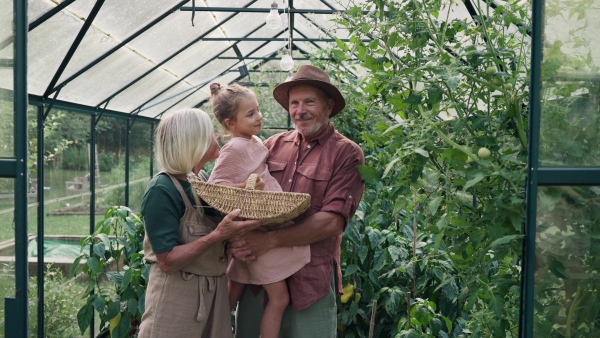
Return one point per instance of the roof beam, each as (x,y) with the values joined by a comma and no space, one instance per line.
(120,45)
(39,21)
(263,10)
(73,48)
(131,83)
(274,58)
(206,82)
(279,39)
(196,69)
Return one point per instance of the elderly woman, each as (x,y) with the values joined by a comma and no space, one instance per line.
(187,290)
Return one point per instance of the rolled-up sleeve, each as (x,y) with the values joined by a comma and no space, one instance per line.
(346,186)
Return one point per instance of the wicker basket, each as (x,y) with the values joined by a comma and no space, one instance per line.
(272,207)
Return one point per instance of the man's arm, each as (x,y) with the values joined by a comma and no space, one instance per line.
(315,228)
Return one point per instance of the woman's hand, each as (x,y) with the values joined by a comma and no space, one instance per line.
(229,227)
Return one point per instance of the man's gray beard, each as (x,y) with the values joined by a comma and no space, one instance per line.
(312,130)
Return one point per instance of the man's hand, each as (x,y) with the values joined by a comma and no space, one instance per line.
(251,245)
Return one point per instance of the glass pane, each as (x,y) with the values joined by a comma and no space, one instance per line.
(567,301)
(6,81)
(66,217)
(139,168)
(110,171)
(6,123)
(66,175)
(570,126)
(7,244)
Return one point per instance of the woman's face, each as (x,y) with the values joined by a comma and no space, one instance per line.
(211,154)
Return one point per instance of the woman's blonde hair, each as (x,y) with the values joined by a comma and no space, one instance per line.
(182,139)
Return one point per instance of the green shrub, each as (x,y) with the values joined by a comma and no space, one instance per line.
(61,302)
(105,162)
(74,158)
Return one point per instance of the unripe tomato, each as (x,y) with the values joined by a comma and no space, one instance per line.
(490,70)
(483,152)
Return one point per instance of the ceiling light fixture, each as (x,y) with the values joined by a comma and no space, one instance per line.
(287,63)
(273,19)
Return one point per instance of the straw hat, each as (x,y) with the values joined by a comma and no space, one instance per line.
(310,75)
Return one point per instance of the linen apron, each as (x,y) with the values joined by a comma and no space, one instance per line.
(192,302)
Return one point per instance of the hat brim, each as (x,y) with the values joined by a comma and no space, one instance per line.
(281,93)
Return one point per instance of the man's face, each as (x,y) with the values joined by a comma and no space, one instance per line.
(309,109)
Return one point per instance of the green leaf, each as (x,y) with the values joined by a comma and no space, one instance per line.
(92,262)
(341,44)
(434,95)
(75,265)
(132,306)
(369,174)
(99,304)
(350,269)
(392,303)
(422,152)
(496,303)
(99,249)
(113,310)
(85,315)
(390,166)
(142,303)
(414,99)
(505,239)
(412,333)
(434,205)
(476,178)
(126,278)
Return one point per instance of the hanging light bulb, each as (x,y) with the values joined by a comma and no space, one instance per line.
(273,19)
(286,63)
(289,77)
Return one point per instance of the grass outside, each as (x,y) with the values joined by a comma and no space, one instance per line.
(56,197)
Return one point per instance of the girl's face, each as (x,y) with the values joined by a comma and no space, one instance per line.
(247,121)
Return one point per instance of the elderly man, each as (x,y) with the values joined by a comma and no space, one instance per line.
(317,160)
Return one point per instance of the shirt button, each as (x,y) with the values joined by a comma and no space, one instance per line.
(349,196)
(290,181)
(308,146)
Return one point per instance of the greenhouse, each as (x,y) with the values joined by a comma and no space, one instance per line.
(479,121)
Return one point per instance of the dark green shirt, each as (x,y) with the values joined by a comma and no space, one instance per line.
(162,208)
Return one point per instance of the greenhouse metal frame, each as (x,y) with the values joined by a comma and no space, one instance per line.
(80,85)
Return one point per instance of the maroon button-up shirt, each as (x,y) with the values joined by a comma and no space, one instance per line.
(325,169)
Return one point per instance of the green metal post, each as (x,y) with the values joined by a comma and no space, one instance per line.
(20,327)
(528,270)
(40,220)
(94,121)
(127,154)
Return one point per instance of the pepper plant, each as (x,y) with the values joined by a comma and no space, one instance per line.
(113,260)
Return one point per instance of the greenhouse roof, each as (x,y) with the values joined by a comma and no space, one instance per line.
(147,57)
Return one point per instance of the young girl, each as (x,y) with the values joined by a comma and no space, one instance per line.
(236,109)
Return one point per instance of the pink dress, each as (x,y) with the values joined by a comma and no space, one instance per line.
(239,158)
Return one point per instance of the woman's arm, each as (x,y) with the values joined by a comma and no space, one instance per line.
(184,254)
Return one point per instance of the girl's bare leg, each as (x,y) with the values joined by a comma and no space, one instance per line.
(279,298)
(235,290)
